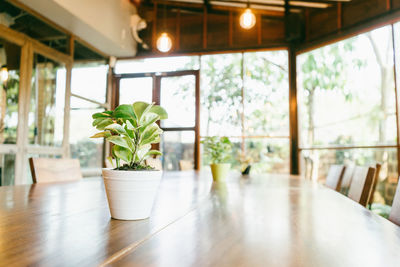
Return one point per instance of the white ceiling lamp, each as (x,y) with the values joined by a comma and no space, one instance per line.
(247,19)
(164,41)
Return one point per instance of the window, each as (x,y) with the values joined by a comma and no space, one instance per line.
(46,113)
(88,86)
(245,96)
(347,107)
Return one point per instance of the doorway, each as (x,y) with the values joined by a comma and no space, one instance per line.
(179,93)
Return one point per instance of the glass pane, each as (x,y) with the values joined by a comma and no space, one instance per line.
(268,155)
(135,89)
(89,151)
(157,64)
(7,169)
(46,111)
(346,92)
(316,165)
(177,146)
(266,93)
(179,100)
(90,81)
(9,86)
(221,95)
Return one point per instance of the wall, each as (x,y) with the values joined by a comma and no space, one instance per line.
(102,23)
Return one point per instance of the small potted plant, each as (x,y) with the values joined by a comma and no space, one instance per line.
(218,150)
(131,187)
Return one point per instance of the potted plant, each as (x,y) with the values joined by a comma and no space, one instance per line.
(218,150)
(132,129)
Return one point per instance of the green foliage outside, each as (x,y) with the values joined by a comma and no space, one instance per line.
(132,129)
(217,149)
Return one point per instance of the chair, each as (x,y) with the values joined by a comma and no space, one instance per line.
(335,176)
(374,184)
(185,165)
(395,211)
(48,170)
(361,184)
(154,162)
(346,180)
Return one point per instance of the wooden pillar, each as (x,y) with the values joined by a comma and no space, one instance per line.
(23,112)
(293,118)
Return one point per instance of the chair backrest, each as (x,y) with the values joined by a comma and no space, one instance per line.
(361,184)
(334,177)
(346,180)
(47,170)
(185,165)
(374,183)
(154,162)
(395,211)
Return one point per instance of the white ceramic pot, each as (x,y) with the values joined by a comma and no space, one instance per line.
(131,194)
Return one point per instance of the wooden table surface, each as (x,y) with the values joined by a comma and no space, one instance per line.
(266,220)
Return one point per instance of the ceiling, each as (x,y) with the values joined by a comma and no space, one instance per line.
(261,6)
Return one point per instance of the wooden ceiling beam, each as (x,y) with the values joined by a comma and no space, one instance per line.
(273,11)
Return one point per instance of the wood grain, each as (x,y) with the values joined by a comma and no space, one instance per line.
(361,184)
(395,212)
(49,170)
(265,220)
(335,176)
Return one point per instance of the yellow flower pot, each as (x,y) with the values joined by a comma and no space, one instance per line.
(220,171)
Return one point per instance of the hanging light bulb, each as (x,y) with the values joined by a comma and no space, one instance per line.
(247,19)
(164,43)
(4,74)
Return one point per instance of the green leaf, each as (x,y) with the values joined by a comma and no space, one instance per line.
(160,112)
(150,134)
(141,108)
(149,119)
(110,159)
(104,134)
(97,121)
(125,112)
(123,153)
(104,114)
(151,152)
(119,141)
(129,125)
(141,152)
(116,128)
(152,140)
(104,124)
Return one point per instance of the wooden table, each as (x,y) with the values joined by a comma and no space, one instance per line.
(268,220)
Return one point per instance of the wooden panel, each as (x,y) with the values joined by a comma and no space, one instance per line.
(243,37)
(334,178)
(347,177)
(359,10)
(191,29)
(322,22)
(361,184)
(272,30)
(395,4)
(218,30)
(395,212)
(48,170)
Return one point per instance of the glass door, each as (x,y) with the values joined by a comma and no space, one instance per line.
(178,92)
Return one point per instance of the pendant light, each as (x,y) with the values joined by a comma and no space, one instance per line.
(164,41)
(247,19)
(4,74)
